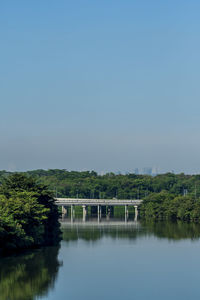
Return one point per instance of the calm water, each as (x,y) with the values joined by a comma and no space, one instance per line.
(109,260)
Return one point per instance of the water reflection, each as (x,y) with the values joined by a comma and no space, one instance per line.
(33,275)
(177,230)
(28,276)
(93,230)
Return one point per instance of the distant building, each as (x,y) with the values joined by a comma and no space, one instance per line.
(136,171)
(153,171)
(147,171)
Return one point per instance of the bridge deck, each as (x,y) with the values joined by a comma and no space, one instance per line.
(95,202)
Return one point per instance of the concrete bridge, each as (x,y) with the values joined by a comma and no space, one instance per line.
(99,203)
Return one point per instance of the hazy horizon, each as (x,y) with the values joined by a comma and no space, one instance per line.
(104,86)
(104,172)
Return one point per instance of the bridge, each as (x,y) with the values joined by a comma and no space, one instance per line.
(99,203)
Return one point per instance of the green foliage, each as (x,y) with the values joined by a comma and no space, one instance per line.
(89,184)
(175,196)
(165,196)
(28,215)
(165,205)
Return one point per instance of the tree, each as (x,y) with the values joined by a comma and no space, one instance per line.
(28,215)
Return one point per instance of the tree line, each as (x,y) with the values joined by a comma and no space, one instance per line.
(29,218)
(175,196)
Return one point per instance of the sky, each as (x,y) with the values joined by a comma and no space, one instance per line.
(108,85)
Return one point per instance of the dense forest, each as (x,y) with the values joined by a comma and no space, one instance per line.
(175,196)
(28,215)
(169,195)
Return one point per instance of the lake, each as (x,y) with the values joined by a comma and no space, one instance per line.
(109,259)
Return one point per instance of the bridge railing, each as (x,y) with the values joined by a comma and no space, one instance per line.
(81,201)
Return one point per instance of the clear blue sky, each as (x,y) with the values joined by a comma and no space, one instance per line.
(104,85)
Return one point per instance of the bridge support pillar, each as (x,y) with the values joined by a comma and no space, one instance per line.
(136,212)
(84,212)
(108,213)
(126,210)
(126,213)
(64,210)
(99,212)
(110,210)
(72,212)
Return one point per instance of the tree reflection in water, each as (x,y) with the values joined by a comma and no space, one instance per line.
(33,275)
(27,276)
(162,229)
